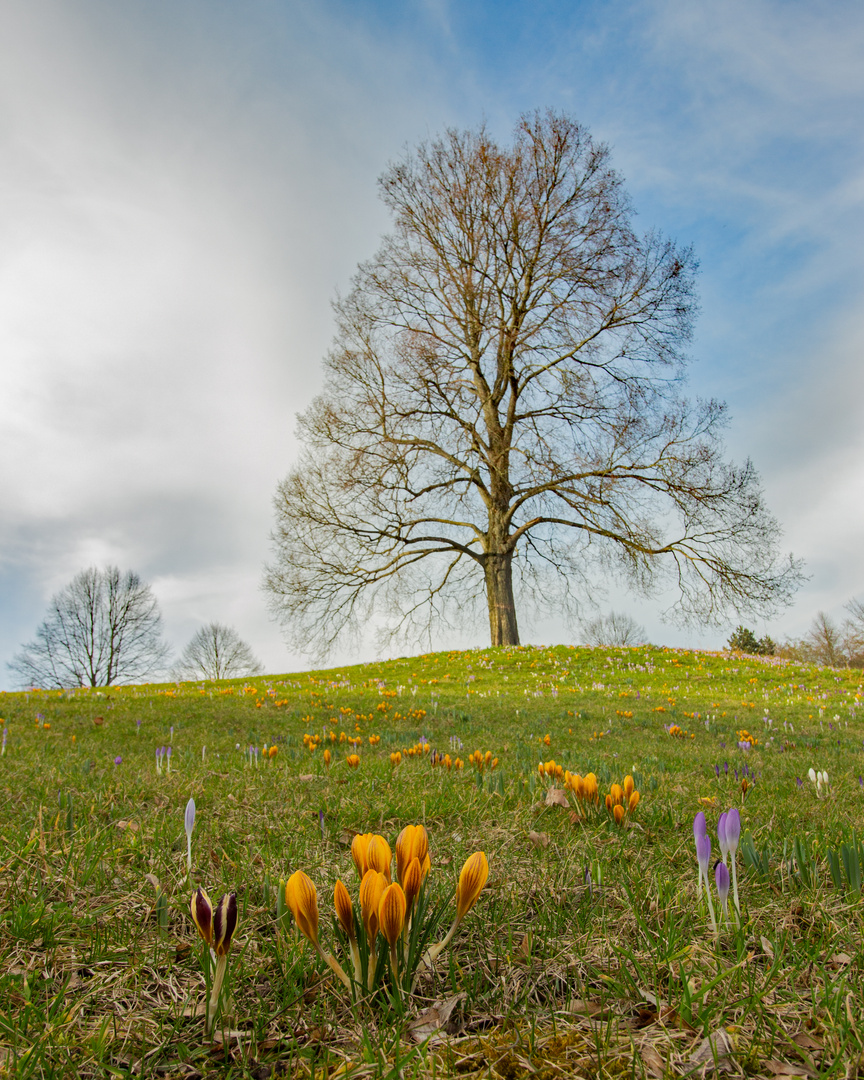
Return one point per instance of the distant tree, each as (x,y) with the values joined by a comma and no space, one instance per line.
(744,640)
(853,629)
(826,639)
(103,628)
(614,629)
(501,415)
(216,652)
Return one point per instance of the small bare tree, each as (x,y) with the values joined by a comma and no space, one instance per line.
(501,412)
(216,652)
(614,630)
(102,628)
(853,629)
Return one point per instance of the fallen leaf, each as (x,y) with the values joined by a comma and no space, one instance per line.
(153,880)
(767,947)
(716,1051)
(556,797)
(652,1060)
(306,777)
(539,839)
(840,959)
(431,1023)
(576,818)
(787,1068)
(257,861)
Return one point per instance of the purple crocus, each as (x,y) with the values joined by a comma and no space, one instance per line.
(168,758)
(700,829)
(721,876)
(721,837)
(703,855)
(733,835)
(189,825)
(118,760)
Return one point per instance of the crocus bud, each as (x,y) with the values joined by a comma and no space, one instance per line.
(721,837)
(302,897)
(812,774)
(629,786)
(703,853)
(633,801)
(733,830)
(618,812)
(609,802)
(700,827)
(327,757)
(391,913)
(190,817)
(202,915)
(371,889)
(411,843)
(358,852)
(471,881)
(412,879)
(344,910)
(379,856)
(224,923)
(617,793)
(721,876)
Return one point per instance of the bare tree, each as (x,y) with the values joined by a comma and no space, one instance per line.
(853,630)
(103,628)
(501,412)
(615,630)
(216,652)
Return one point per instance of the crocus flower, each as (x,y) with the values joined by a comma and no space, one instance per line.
(391,919)
(189,824)
(359,846)
(302,898)
(168,760)
(733,835)
(412,843)
(472,878)
(700,828)
(379,856)
(721,876)
(216,929)
(703,855)
(118,760)
(721,837)
(345,915)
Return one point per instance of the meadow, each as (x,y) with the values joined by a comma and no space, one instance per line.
(589,952)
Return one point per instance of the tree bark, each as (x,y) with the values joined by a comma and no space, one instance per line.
(498,569)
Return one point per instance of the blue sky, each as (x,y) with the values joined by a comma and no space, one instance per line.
(186,185)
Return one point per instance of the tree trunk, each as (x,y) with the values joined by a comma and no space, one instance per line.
(498,569)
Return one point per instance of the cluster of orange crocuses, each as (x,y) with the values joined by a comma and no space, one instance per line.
(482,761)
(392,910)
(621,800)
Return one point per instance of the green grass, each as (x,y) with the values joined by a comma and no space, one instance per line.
(553,975)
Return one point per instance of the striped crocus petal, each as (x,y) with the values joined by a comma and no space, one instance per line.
(202,915)
(224,923)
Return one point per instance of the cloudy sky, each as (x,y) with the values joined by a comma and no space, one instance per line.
(186,184)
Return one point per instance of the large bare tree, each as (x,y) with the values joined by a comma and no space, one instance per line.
(216,652)
(502,401)
(103,628)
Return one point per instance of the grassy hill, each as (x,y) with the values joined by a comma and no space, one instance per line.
(588,951)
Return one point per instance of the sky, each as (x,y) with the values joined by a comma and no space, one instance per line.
(186,185)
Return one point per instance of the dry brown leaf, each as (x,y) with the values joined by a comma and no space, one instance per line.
(652,1060)
(767,947)
(539,839)
(431,1023)
(153,880)
(840,959)
(556,797)
(716,1051)
(806,1042)
(787,1068)
(306,776)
